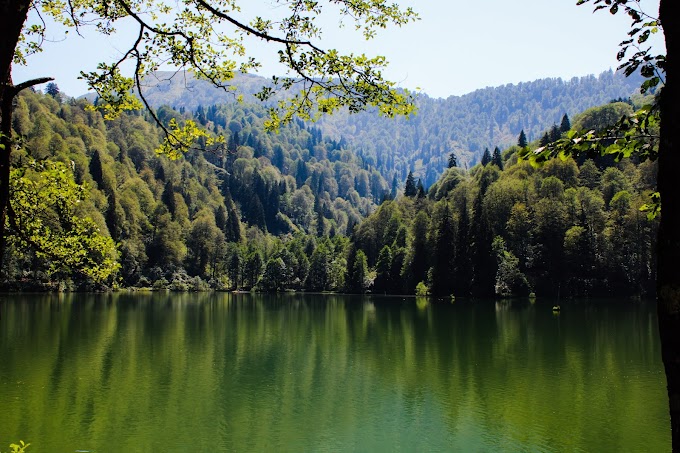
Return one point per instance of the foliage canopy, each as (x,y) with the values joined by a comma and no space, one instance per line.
(210,38)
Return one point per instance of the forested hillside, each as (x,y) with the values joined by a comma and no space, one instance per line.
(209,215)
(466,124)
(562,229)
(296,210)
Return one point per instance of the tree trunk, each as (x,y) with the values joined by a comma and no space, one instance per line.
(668,258)
(13,14)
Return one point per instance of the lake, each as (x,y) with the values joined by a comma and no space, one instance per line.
(238,372)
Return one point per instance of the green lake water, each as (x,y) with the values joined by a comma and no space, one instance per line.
(222,372)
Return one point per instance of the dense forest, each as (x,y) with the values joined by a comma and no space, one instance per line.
(299,210)
(466,125)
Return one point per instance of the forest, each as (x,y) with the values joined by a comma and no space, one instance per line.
(421,143)
(299,210)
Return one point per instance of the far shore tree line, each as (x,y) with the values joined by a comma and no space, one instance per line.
(296,211)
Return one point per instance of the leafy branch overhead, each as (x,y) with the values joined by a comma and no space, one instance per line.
(633,135)
(209,38)
(642,27)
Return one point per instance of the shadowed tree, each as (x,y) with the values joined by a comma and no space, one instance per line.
(443,254)
(565,125)
(410,189)
(453,162)
(486,157)
(522,140)
(496,159)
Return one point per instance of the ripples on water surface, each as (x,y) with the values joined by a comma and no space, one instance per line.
(221,372)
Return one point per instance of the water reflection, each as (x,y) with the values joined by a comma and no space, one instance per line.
(174,372)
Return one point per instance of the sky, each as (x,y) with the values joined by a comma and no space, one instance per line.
(456,47)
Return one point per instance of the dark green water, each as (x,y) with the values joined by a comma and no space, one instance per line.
(219,372)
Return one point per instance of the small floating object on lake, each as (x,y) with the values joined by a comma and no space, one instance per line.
(557,308)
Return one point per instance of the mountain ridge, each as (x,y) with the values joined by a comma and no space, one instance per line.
(465,125)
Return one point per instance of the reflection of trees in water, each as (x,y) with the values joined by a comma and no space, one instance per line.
(302,372)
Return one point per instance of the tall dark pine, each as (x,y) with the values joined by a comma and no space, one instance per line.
(522,140)
(301,173)
(565,125)
(555,133)
(453,162)
(112,217)
(442,269)
(221,217)
(320,224)
(96,169)
(168,197)
(486,157)
(483,261)
(545,140)
(395,187)
(421,192)
(232,228)
(233,143)
(496,159)
(410,189)
(256,215)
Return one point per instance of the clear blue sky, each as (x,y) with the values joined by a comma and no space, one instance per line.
(457,46)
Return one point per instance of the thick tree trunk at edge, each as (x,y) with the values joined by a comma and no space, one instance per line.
(13,14)
(668,258)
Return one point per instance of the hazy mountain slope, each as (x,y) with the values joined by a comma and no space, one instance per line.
(465,124)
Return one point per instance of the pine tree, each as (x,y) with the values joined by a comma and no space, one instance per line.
(278,159)
(96,169)
(233,143)
(483,261)
(496,159)
(453,162)
(442,269)
(168,197)
(545,140)
(410,189)
(395,187)
(232,232)
(256,214)
(320,224)
(421,192)
(486,157)
(114,217)
(159,172)
(301,173)
(555,133)
(522,140)
(221,217)
(565,125)
(53,90)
